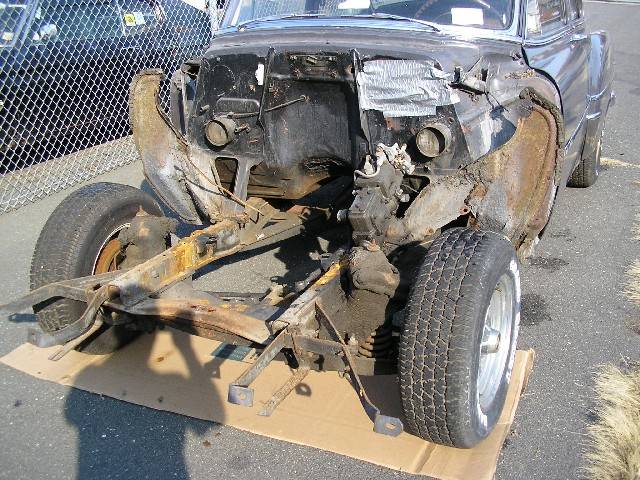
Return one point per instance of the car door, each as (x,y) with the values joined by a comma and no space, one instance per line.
(556,43)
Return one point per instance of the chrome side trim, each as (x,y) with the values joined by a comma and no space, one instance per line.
(598,95)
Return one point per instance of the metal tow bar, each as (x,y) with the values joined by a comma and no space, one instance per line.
(240,392)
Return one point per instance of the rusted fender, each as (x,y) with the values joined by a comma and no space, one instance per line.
(161,149)
(509,191)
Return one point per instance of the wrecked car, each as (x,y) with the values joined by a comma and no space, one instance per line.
(446,129)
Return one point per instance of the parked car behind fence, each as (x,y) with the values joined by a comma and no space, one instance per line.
(66,66)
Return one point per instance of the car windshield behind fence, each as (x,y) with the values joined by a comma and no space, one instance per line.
(490,14)
(65,71)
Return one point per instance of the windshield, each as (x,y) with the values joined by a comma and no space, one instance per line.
(11,15)
(491,14)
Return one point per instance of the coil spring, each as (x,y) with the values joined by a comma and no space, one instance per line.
(378,344)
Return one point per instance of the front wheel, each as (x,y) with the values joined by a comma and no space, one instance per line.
(458,342)
(80,238)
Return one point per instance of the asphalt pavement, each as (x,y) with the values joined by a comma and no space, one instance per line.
(574,315)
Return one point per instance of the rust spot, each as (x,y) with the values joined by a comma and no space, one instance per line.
(238,307)
(333,271)
(522,172)
(160,359)
(206,443)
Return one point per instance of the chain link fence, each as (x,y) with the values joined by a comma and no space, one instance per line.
(65,70)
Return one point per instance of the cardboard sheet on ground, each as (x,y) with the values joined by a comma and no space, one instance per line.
(177,372)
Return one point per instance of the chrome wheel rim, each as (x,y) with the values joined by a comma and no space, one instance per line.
(496,341)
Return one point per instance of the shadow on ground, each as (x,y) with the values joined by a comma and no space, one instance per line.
(138,442)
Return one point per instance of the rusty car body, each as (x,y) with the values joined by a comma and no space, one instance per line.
(452,125)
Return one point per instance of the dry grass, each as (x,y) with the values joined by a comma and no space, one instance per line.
(632,286)
(633,324)
(612,162)
(614,440)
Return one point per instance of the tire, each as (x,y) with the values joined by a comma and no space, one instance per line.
(588,170)
(440,356)
(69,246)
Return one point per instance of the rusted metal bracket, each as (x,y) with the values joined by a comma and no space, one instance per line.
(75,289)
(88,323)
(239,391)
(89,289)
(383,424)
(70,345)
(202,313)
(178,262)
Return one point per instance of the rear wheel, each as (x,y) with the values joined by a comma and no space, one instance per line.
(81,238)
(458,342)
(588,170)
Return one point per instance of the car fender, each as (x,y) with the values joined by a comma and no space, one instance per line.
(161,147)
(600,95)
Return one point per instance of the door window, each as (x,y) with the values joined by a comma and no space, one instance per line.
(71,20)
(544,16)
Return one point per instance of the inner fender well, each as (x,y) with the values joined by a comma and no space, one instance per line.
(516,185)
(511,190)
